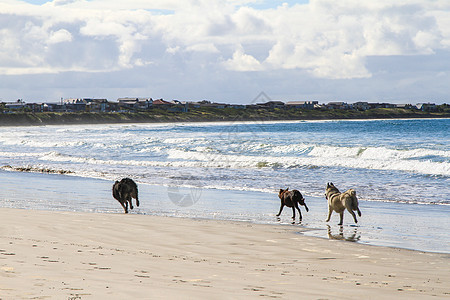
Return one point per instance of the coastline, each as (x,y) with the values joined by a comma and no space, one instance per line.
(418,227)
(216,115)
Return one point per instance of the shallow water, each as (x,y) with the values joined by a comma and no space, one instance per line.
(410,226)
(232,171)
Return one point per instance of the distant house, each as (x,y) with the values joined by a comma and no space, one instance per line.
(179,106)
(388,105)
(361,106)
(74,105)
(302,104)
(17,105)
(236,106)
(135,103)
(426,107)
(162,104)
(85,104)
(271,104)
(405,106)
(35,107)
(207,104)
(96,105)
(337,105)
(54,107)
(215,105)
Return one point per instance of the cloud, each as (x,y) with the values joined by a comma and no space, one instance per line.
(319,39)
(242,62)
(329,39)
(59,36)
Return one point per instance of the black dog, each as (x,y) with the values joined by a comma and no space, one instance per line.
(123,191)
(291,199)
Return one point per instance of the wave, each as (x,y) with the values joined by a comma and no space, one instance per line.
(256,156)
(380,153)
(322,157)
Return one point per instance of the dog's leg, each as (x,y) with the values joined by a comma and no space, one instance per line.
(359,212)
(125,206)
(281,209)
(341,217)
(299,212)
(330,211)
(353,214)
(293,213)
(131,203)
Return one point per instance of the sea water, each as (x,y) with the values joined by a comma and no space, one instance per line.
(388,162)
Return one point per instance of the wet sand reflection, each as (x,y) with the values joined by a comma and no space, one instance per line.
(352,236)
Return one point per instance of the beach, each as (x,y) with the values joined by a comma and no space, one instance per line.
(207,224)
(74,255)
(50,251)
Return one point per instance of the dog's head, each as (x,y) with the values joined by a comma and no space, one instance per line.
(330,189)
(281,193)
(330,185)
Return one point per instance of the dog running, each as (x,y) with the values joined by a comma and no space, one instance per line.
(291,199)
(123,191)
(339,202)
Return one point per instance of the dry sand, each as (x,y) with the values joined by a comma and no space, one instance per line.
(70,255)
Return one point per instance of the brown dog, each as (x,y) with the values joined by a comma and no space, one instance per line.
(339,202)
(123,191)
(291,199)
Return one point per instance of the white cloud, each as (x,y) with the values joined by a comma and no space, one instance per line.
(59,36)
(242,62)
(326,39)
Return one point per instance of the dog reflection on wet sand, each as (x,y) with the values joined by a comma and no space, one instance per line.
(352,237)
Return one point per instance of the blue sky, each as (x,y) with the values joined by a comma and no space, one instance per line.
(226,50)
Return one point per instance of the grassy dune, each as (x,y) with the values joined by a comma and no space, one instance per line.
(208,115)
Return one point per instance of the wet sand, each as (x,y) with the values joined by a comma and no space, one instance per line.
(75,255)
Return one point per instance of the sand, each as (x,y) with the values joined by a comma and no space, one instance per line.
(75,255)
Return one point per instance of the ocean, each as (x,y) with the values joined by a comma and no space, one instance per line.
(388,162)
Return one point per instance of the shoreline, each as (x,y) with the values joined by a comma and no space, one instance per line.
(91,255)
(396,225)
(159,117)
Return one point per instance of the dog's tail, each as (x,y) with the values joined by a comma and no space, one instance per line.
(352,193)
(137,197)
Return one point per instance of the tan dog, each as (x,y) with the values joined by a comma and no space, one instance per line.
(291,199)
(339,202)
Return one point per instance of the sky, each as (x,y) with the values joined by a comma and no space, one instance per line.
(231,51)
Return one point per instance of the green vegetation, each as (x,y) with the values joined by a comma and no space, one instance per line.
(211,114)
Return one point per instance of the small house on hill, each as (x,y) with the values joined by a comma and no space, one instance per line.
(271,104)
(426,107)
(302,104)
(337,105)
(135,103)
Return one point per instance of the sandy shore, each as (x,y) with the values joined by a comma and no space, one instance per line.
(72,255)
